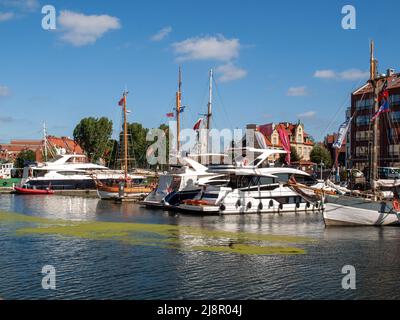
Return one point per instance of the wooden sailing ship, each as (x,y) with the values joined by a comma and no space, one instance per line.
(126,186)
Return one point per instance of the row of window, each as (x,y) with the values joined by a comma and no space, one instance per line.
(368,103)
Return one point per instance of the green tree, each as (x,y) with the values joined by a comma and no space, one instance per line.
(294,156)
(320,153)
(93,135)
(24,157)
(137,144)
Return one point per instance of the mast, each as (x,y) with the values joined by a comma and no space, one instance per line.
(125,139)
(375,129)
(178,110)
(209,105)
(45,140)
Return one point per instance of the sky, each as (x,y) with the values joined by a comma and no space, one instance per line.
(273,61)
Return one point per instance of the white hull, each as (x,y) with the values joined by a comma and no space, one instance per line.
(341,215)
(209,209)
(104,195)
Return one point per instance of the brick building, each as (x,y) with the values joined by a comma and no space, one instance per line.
(362,109)
(299,138)
(55,146)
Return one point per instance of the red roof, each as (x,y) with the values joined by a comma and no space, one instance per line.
(393,82)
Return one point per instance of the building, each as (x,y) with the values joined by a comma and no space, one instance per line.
(362,109)
(329,140)
(55,146)
(299,138)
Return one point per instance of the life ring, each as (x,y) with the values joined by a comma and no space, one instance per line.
(245,162)
(396,205)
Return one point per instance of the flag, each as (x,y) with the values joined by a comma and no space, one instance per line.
(122,101)
(197,124)
(344,127)
(283,135)
(170,115)
(383,100)
(266,129)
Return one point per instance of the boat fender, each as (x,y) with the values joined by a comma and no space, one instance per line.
(222,207)
(281,206)
(297,205)
(396,205)
(271,203)
(316,205)
(249,205)
(308,205)
(260,206)
(238,203)
(4,183)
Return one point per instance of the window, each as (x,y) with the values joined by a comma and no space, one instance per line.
(394,150)
(364,104)
(363,135)
(395,99)
(363,120)
(396,116)
(361,151)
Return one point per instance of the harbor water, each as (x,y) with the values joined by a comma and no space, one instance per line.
(97,264)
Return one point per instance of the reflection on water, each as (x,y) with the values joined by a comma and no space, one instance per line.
(112,269)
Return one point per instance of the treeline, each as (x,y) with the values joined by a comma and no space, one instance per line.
(94,135)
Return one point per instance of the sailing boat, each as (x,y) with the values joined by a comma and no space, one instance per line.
(126,186)
(348,210)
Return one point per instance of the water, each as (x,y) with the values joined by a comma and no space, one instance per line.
(111,269)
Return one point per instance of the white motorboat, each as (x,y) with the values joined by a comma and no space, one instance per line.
(252,189)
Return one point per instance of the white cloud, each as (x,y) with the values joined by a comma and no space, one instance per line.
(297,91)
(230,72)
(350,74)
(308,114)
(354,74)
(160,35)
(325,74)
(5,16)
(207,48)
(79,29)
(4,91)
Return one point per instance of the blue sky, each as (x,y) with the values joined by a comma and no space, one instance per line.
(273,61)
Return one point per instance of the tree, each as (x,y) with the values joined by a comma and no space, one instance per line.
(320,153)
(24,157)
(294,156)
(137,144)
(93,135)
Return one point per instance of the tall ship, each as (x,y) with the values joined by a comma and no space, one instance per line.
(126,185)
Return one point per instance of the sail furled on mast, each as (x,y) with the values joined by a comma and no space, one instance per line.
(383,100)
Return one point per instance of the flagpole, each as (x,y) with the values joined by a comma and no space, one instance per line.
(209,105)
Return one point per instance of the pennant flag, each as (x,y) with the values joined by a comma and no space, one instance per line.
(344,127)
(122,101)
(170,115)
(198,124)
(283,135)
(383,101)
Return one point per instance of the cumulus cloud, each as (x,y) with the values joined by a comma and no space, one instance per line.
(308,114)
(79,29)
(297,92)
(5,16)
(207,48)
(350,74)
(160,35)
(230,72)
(4,91)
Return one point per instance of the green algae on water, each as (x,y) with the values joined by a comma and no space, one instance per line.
(158,235)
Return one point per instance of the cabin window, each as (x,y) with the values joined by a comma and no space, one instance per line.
(282,177)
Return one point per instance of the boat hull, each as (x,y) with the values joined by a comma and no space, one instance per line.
(32,191)
(112,192)
(352,211)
